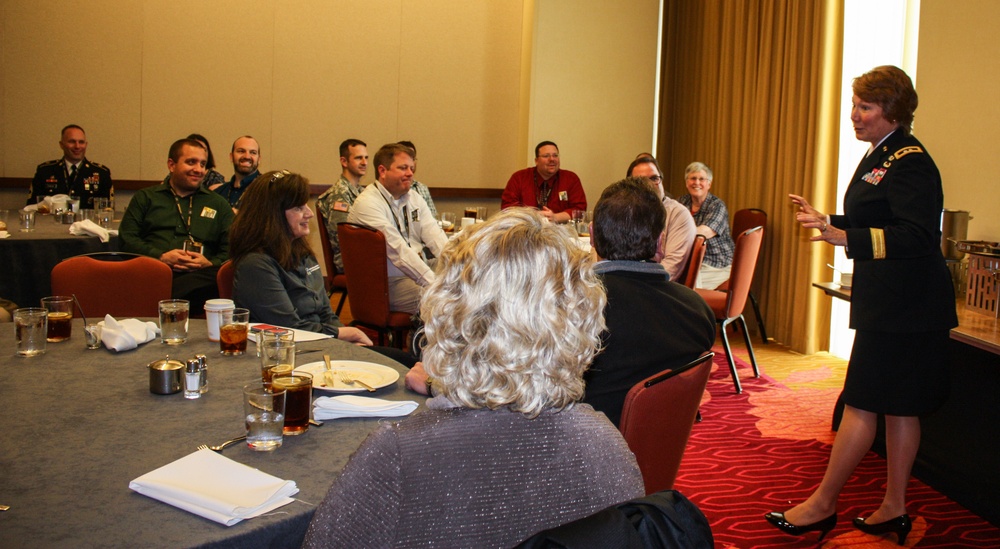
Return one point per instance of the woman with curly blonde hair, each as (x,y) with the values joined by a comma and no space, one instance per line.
(513,319)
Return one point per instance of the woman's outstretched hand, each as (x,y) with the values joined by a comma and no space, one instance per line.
(811,218)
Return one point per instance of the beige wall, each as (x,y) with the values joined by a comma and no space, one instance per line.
(473,84)
(593,84)
(958,79)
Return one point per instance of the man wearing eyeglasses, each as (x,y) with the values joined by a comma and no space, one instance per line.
(554,191)
(182,224)
(246,160)
(680,230)
(392,207)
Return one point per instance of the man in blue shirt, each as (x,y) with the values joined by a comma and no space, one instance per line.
(246,160)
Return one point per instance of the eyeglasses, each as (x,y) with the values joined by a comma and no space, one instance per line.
(278,175)
(699,179)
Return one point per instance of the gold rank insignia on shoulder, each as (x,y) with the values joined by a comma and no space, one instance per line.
(208,212)
(905,151)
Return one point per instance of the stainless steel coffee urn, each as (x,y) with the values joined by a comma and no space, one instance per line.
(955,228)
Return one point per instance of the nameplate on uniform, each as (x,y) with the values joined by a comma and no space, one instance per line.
(874,177)
(208,212)
(312,269)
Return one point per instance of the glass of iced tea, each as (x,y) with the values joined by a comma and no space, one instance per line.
(60,308)
(298,399)
(234,326)
(276,353)
(174,321)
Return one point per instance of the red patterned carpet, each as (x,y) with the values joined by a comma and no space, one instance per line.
(766,449)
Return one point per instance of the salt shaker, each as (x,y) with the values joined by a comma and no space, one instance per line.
(203,370)
(192,379)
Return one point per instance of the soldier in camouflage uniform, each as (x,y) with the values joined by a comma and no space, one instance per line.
(336,201)
(72,174)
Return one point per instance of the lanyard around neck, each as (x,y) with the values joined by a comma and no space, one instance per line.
(406,218)
(177,202)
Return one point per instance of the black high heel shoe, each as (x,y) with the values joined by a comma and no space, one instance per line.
(823,526)
(900,526)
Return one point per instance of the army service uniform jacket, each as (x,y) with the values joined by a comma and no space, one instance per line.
(92,180)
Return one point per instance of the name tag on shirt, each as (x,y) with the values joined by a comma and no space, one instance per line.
(564,196)
(414,216)
(208,212)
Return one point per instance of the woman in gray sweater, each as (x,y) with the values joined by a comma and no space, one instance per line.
(512,321)
(276,273)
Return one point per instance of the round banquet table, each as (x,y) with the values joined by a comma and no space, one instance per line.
(29,257)
(79,424)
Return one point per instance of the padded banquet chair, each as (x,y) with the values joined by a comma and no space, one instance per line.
(335,282)
(728,305)
(657,418)
(694,261)
(744,219)
(224,279)
(364,255)
(122,285)
(664,520)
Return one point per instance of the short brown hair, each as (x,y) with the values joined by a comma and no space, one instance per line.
(178,146)
(890,88)
(389,151)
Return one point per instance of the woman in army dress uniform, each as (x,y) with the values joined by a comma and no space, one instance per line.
(902,304)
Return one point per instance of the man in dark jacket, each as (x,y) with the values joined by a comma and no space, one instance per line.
(72,174)
(653,324)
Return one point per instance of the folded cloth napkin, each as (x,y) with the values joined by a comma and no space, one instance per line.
(215,487)
(50,202)
(125,335)
(357,406)
(87,226)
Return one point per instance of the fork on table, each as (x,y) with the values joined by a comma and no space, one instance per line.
(223,445)
(348,379)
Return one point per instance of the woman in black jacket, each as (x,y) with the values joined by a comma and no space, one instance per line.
(902,303)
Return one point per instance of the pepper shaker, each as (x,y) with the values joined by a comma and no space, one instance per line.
(203,369)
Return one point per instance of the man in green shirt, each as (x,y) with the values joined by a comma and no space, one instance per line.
(182,224)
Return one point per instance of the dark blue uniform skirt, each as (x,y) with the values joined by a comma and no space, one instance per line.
(899,374)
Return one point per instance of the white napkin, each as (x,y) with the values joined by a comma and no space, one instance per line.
(49,202)
(4,234)
(358,406)
(215,487)
(87,226)
(124,335)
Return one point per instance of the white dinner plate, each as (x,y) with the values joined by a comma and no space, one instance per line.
(376,375)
